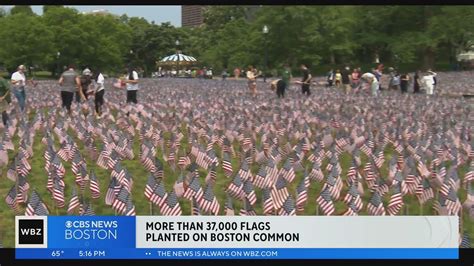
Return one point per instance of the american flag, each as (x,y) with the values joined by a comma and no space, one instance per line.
(194,190)
(325,202)
(250,192)
(469,176)
(171,207)
(58,193)
(209,201)
(396,200)
(261,180)
(94,185)
(159,194)
(288,208)
(112,191)
(244,171)
(211,175)
(235,188)
(23,187)
(130,208)
(36,206)
(465,241)
(120,202)
(150,186)
(196,209)
(301,194)
(88,211)
(353,197)
(12,198)
(424,192)
(316,173)
(375,205)
(279,193)
(227,165)
(287,171)
(247,209)
(267,202)
(333,184)
(452,202)
(229,206)
(73,202)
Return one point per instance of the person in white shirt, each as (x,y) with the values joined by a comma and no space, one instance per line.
(99,92)
(252,81)
(371,79)
(430,82)
(18,80)
(132,85)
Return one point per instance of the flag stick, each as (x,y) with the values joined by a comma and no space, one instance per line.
(317,210)
(421,208)
(151,208)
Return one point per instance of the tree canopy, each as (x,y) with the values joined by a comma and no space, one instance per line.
(232,37)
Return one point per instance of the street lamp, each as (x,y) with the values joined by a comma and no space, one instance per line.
(265,32)
(58,54)
(177,54)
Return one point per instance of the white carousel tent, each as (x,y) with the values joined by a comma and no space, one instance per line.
(178,58)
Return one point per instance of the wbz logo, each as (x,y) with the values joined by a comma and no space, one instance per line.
(31,232)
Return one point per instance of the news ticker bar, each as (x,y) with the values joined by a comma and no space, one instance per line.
(241,253)
(221,237)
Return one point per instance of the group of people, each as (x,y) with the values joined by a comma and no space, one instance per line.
(281,85)
(83,86)
(397,81)
(92,84)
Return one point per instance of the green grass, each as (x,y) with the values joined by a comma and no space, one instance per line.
(37,179)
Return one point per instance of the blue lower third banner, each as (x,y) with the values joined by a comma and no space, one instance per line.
(239,253)
(236,237)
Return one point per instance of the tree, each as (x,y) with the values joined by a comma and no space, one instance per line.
(25,40)
(22,10)
(47,8)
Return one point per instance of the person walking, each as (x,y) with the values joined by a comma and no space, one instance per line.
(330,78)
(430,82)
(338,78)
(132,85)
(355,76)
(416,82)
(346,79)
(252,81)
(434,77)
(404,80)
(18,80)
(5,100)
(70,83)
(306,81)
(236,73)
(395,81)
(99,93)
(224,74)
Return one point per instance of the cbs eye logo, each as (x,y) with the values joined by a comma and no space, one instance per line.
(31,232)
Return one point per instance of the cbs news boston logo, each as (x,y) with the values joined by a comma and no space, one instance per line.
(31,232)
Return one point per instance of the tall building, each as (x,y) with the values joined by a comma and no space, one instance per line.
(192,16)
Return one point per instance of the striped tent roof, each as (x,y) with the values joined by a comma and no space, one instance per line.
(178,57)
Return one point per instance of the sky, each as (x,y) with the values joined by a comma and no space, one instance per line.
(155,13)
